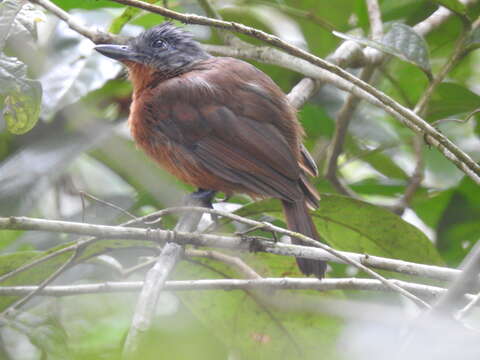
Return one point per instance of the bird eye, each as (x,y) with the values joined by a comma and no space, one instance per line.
(159,44)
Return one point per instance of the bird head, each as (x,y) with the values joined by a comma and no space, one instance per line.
(165,47)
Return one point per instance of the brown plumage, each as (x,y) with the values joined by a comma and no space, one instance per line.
(218,123)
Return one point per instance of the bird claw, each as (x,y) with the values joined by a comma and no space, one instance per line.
(255,245)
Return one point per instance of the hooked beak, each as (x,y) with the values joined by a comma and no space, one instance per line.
(119,52)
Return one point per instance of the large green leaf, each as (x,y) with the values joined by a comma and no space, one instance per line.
(250,327)
(353,225)
(400,41)
(458,228)
(451,99)
(380,161)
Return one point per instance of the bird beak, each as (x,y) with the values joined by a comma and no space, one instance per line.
(118,52)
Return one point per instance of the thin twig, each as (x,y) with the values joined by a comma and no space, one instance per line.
(233,261)
(107,203)
(97,36)
(336,146)
(420,109)
(415,180)
(11,309)
(427,292)
(461,121)
(457,54)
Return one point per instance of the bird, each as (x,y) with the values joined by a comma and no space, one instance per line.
(219,124)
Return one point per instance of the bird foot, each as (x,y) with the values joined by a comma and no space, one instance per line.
(202,198)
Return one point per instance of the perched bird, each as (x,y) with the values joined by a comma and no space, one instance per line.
(219,124)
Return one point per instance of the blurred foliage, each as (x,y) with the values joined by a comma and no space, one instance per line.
(71,106)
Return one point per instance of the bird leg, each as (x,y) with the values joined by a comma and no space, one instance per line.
(202,197)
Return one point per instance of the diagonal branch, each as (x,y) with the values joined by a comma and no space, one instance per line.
(22,301)
(470,268)
(336,146)
(154,283)
(148,298)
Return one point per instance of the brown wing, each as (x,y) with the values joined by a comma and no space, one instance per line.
(234,123)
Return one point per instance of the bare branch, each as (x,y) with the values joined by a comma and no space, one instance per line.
(22,301)
(427,292)
(453,298)
(437,18)
(376,24)
(415,180)
(97,36)
(229,242)
(233,261)
(168,236)
(148,298)
(336,146)
(154,283)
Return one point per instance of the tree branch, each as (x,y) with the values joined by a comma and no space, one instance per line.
(427,292)
(155,280)
(462,284)
(336,146)
(148,298)
(230,242)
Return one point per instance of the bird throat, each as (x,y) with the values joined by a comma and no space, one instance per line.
(143,77)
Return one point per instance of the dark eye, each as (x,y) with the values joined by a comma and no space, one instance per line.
(159,44)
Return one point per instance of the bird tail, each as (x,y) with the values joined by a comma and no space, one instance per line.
(299,220)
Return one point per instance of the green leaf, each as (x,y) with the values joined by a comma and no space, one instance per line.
(85,4)
(453,5)
(21,96)
(253,328)
(451,99)
(128,14)
(380,161)
(459,225)
(353,225)
(431,207)
(400,41)
(120,21)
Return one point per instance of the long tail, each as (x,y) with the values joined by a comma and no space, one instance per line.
(299,220)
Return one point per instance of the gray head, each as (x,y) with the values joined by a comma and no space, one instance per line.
(164,47)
